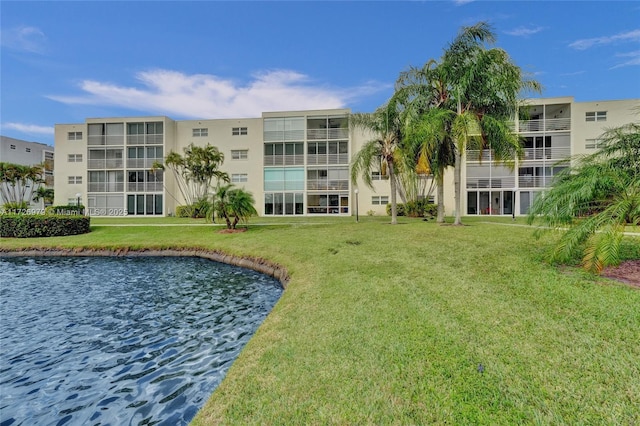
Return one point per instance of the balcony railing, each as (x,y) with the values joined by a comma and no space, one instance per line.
(553,153)
(142,163)
(105,187)
(328,159)
(548,125)
(324,134)
(326,185)
(116,163)
(283,160)
(144,186)
(283,135)
(534,181)
(549,153)
(493,182)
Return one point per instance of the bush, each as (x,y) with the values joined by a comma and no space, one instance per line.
(197,210)
(420,208)
(32,226)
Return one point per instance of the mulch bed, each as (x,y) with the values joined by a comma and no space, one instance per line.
(627,272)
(232,231)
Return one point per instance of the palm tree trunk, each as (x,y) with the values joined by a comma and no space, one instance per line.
(440,185)
(392,181)
(457,172)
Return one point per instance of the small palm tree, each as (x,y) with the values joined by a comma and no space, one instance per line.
(234,205)
(44,193)
(593,200)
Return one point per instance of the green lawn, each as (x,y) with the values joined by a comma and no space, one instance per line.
(389,324)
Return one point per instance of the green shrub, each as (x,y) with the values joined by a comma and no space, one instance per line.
(197,210)
(31,226)
(19,205)
(420,208)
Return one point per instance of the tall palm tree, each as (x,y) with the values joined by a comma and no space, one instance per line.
(428,120)
(593,200)
(381,151)
(485,86)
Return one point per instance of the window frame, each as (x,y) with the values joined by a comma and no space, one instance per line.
(200,132)
(242,154)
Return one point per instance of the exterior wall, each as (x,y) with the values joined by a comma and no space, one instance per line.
(26,153)
(220,134)
(618,113)
(315,180)
(64,191)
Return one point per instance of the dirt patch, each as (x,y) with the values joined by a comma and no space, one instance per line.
(627,272)
(232,231)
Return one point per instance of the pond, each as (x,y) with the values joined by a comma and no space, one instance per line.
(113,341)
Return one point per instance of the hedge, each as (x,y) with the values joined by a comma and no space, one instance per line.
(31,226)
(421,208)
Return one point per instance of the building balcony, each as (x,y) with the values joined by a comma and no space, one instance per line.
(552,153)
(283,160)
(105,187)
(325,134)
(116,163)
(499,182)
(144,186)
(327,185)
(327,158)
(142,163)
(544,125)
(534,181)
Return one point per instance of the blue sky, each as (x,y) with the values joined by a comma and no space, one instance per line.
(62,62)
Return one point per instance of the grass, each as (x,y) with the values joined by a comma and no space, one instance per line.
(386,324)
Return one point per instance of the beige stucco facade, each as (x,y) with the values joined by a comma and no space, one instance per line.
(297,162)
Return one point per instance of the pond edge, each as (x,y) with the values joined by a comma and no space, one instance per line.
(256,264)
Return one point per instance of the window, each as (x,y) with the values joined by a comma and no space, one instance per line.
(239,177)
(596,116)
(200,133)
(237,131)
(74,136)
(28,149)
(75,179)
(13,147)
(593,143)
(74,158)
(239,154)
(378,176)
(380,200)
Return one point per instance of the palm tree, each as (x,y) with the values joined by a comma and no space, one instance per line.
(379,153)
(481,86)
(428,121)
(594,200)
(47,195)
(234,203)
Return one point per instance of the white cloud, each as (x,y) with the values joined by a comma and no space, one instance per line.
(524,31)
(586,43)
(462,2)
(634,59)
(29,39)
(29,128)
(204,95)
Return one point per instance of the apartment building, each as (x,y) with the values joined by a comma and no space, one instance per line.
(552,130)
(17,151)
(297,162)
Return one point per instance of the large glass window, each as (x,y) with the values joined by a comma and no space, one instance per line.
(281,178)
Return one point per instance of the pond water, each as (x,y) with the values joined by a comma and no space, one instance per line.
(121,341)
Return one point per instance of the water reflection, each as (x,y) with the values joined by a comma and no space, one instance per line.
(121,340)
